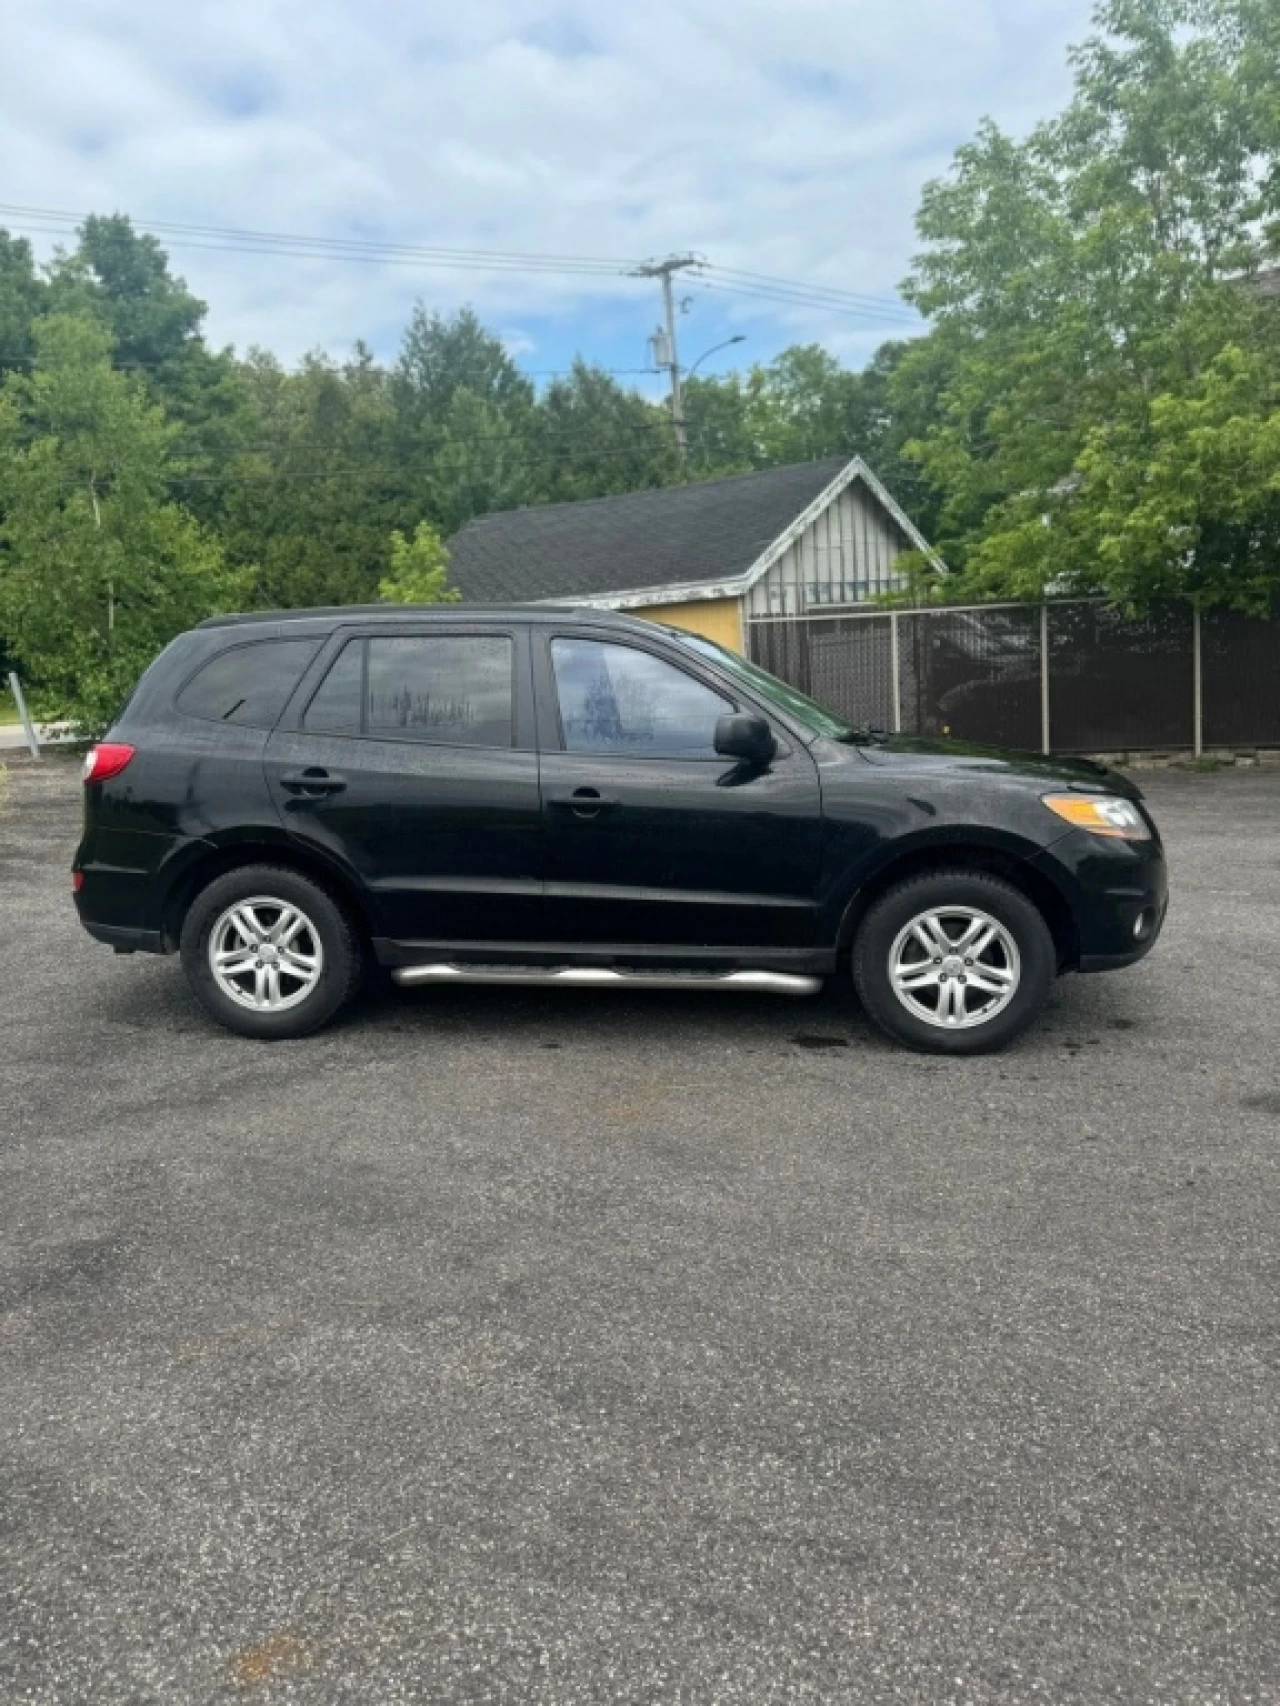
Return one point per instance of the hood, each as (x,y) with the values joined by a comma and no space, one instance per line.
(922,755)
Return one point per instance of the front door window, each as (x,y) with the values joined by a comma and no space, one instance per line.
(618,700)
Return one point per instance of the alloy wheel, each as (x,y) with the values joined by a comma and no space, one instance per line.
(265,954)
(955,967)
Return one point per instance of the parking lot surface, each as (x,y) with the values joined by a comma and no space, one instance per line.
(549,1348)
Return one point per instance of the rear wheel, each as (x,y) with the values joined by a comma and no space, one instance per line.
(954,962)
(269,953)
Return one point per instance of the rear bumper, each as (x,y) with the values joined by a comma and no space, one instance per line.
(1118,892)
(125,877)
(124,939)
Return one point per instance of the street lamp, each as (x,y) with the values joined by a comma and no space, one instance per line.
(737,338)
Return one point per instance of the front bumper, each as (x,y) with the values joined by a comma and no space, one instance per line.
(1118,892)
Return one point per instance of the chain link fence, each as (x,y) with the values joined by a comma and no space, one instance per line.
(1074,675)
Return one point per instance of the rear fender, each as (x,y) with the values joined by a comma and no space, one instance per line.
(194,864)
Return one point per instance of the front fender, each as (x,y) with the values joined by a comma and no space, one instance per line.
(855,882)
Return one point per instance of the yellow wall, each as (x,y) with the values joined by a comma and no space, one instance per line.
(718,619)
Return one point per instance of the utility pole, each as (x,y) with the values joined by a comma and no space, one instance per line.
(666,351)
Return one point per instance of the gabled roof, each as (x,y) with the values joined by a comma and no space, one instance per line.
(681,541)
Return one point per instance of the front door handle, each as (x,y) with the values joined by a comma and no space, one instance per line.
(584,802)
(313,784)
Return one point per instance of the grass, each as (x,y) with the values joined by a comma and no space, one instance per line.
(1205,766)
(8,710)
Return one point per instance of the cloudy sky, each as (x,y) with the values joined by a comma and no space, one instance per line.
(784,137)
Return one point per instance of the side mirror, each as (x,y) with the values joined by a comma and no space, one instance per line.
(745,737)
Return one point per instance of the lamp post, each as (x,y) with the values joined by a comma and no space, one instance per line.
(737,338)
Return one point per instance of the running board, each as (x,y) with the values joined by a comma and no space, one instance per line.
(604,977)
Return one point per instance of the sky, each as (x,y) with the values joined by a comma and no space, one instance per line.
(783,137)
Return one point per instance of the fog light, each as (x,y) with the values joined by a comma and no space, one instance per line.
(1142,925)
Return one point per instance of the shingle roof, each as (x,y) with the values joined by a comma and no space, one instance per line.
(678,535)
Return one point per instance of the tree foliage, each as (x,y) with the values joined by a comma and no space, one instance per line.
(1101,354)
(99,568)
(419,569)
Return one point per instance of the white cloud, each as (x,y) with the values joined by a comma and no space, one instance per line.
(785,136)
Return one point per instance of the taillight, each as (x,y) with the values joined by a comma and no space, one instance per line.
(77,881)
(103,762)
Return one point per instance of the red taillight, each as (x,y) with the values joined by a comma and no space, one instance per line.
(103,762)
(77,881)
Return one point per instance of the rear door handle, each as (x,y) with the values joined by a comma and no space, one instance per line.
(313,784)
(584,802)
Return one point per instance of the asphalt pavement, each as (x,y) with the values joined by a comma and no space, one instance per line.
(545,1348)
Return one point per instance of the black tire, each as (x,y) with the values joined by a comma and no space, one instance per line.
(937,890)
(342,965)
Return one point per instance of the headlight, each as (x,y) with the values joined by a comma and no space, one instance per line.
(1101,814)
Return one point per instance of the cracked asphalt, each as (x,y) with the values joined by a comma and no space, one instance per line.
(552,1348)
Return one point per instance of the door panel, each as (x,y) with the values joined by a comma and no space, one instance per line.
(442,826)
(680,847)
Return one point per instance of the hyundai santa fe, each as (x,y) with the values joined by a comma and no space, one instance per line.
(554,796)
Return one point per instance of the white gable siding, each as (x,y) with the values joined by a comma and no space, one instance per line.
(845,557)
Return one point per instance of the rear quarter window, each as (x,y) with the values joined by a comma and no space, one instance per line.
(249,684)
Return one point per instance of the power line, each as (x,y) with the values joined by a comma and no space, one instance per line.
(836,293)
(530,268)
(353,243)
(299,476)
(229,240)
(28,360)
(730,280)
(356,462)
(797,299)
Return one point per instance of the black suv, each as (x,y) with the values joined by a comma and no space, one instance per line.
(556,796)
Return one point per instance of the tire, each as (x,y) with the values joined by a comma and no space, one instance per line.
(947,1002)
(313,975)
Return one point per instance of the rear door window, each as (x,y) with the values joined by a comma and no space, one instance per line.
(445,689)
(335,705)
(248,684)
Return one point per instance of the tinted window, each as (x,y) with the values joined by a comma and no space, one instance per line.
(806,711)
(248,684)
(335,706)
(453,689)
(617,699)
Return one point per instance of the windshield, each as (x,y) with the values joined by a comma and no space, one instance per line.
(798,706)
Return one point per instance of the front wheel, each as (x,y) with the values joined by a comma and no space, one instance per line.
(269,953)
(954,962)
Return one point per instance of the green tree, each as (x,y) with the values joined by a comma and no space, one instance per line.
(595,438)
(319,481)
(99,569)
(23,298)
(1096,343)
(464,419)
(122,279)
(419,569)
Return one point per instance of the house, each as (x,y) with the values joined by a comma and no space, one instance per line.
(708,557)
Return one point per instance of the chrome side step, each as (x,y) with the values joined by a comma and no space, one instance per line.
(604,977)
